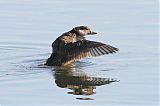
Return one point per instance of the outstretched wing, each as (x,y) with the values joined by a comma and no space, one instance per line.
(85,48)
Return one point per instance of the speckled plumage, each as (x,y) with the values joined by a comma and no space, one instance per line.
(72,45)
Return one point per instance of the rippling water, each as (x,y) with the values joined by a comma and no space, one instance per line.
(129,77)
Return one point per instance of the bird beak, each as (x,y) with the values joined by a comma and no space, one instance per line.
(92,33)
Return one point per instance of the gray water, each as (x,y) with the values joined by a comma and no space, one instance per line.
(127,78)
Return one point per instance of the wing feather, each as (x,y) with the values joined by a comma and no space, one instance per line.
(104,49)
(101,50)
(109,49)
(92,53)
(85,48)
(97,51)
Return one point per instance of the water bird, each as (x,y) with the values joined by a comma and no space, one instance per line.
(72,46)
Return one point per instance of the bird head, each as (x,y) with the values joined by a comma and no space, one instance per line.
(83,30)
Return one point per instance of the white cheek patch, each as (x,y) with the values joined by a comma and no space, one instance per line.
(82,32)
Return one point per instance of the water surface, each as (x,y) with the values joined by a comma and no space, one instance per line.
(129,77)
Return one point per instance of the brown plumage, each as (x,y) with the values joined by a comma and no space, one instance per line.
(72,45)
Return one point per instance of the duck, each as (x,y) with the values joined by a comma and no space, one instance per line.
(72,46)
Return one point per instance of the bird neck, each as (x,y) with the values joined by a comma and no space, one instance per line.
(79,36)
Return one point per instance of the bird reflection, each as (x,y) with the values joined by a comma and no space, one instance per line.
(79,82)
